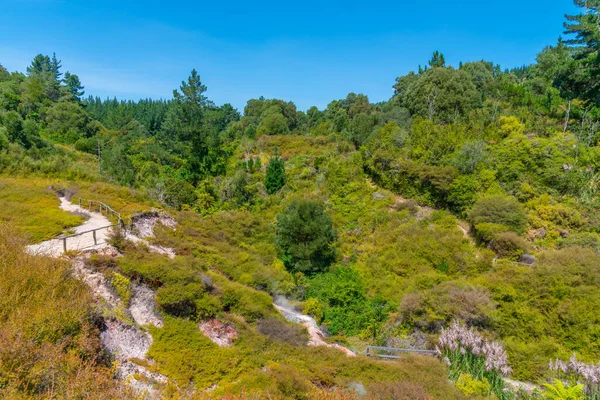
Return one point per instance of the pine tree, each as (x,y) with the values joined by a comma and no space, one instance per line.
(275,176)
(437,60)
(73,85)
(584,29)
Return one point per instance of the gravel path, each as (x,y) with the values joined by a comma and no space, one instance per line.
(54,247)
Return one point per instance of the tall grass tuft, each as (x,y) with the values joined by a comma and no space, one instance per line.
(466,352)
(575,372)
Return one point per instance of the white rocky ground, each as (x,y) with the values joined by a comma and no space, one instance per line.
(125,336)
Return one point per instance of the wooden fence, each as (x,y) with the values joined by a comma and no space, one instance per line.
(94,238)
(391,352)
(90,238)
(92,205)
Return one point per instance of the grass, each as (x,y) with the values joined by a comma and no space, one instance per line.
(32,207)
(49,348)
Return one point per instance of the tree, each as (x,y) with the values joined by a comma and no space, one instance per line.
(275,175)
(437,60)
(73,85)
(186,124)
(438,94)
(305,237)
(273,124)
(585,45)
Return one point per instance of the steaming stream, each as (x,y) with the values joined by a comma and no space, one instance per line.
(316,336)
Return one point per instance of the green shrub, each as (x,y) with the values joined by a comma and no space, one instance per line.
(121,285)
(485,232)
(472,387)
(509,245)
(179,299)
(499,210)
(281,331)
(314,308)
(207,306)
(559,391)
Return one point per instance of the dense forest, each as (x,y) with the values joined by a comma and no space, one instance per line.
(464,206)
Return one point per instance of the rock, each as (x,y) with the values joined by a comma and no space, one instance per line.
(564,233)
(527,259)
(220,333)
(143,224)
(378,196)
(537,233)
(125,341)
(143,306)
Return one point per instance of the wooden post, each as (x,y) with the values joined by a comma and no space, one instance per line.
(95,240)
(64,244)
(90,208)
(80,202)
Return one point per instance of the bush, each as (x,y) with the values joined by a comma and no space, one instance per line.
(121,285)
(207,307)
(178,299)
(314,308)
(485,232)
(509,245)
(472,387)
(499,210)
(305,237)
(179,193)
(281,331)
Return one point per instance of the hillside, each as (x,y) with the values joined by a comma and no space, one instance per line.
(460,215)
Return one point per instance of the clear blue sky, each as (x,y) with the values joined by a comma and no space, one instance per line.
(309,52)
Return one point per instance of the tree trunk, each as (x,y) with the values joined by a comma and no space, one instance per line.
(567,117)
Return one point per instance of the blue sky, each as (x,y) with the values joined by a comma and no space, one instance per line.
(309,52)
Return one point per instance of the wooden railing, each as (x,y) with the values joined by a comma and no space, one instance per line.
(93,204)
(373,351)
(92,231)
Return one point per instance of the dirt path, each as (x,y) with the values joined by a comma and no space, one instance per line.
(95,220)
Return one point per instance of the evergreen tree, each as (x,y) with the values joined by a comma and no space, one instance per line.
(186,123)
(305,237)
(275,175)
(585,44)
(73,85)
(437,60)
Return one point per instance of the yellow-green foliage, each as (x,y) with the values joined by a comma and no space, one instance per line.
(121,285)
(547,311)
(254,363)
(314,308)
(472,387)
(510,125)
(558,391)
(33,207)
(48,347)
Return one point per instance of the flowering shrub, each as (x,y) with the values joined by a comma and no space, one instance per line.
(466,352)
(577,372)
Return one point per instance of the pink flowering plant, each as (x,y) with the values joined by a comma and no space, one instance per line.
(576,372)
(466,352)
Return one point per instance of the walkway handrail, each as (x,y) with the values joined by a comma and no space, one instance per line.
(81,233)
(370,351)
(102,206)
